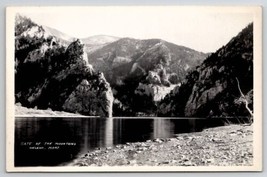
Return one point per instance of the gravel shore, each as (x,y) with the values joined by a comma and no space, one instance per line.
(221,146)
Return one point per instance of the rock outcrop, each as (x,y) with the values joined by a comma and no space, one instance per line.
(150,74)
(91,98)
(212,88)
(50,75)
(129,64)
(157,92)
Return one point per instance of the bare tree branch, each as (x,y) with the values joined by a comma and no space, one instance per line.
(244,100)
(238,85)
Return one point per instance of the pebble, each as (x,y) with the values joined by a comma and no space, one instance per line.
(143,144)
(187,163)
(119,146)
(82,164)
(185,137)
(224,157)
(173,161)
(239,133)
(178,147)
(153,148)
(157,140)
(179,138)
(210,160)
(165,162)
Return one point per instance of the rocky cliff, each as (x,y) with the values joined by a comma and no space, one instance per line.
(155,91)
(212,89)
(49,74)
(91,98)
(142,72)
(128,56)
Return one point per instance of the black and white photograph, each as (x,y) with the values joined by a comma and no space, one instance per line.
(134,88)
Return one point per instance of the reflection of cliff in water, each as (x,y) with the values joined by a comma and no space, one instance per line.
(109,132)
(92,133)
(162,128)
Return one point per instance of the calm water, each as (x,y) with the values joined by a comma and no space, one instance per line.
(54,141)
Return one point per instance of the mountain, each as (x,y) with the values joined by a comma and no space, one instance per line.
(143,70)
(96,42)
(99,40)
(140,72)
(56,75)
(221,86)
(122,57)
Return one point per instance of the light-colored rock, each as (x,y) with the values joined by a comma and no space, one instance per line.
(156,91)
(196,99)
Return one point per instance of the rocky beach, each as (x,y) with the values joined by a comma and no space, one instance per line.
(230,145)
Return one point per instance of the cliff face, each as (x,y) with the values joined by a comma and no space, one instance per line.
(142,72)
(212,88)
(50,75)
(91,98)
(127,57)
(155,91)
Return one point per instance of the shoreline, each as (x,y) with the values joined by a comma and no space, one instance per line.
(218,146)
(230,145)
(21,111)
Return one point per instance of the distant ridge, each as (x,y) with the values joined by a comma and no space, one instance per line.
(99,39)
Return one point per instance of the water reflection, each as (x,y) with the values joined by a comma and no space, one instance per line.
(109,132)
(162,128)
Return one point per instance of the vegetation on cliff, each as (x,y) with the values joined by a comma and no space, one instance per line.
(47,73)
(213,88)
(135,68)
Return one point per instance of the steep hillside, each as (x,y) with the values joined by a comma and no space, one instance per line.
(50,75)
(62,38)
(142,72)
(118,59)
(215,87)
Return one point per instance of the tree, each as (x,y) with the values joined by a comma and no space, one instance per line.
(22,24)
(74,52)
(243,99)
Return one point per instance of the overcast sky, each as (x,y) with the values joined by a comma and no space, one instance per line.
(201,29)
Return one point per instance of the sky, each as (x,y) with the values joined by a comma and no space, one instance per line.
(202,29)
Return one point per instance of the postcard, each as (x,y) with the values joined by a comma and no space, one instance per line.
(133,88)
